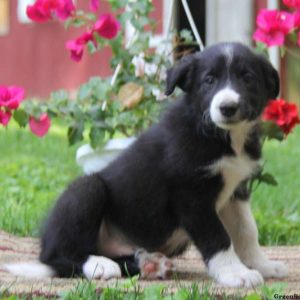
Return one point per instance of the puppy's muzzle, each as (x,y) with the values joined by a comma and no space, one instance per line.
(229,109)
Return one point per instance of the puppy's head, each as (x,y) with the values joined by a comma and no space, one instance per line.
(227,82)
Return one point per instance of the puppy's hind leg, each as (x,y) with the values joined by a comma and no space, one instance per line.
(100,267)
(70,235)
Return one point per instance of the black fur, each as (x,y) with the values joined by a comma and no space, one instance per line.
(161,182)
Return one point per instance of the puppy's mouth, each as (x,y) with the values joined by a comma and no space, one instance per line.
(228,124)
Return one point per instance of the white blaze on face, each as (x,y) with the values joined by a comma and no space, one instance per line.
(224,96)
(228,52)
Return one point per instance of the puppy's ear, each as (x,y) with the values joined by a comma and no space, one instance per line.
(271,78)
(180,75)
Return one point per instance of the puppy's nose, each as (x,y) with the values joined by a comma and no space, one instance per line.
(229,109)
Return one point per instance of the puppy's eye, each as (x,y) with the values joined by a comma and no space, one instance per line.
(210,79)
(247,77)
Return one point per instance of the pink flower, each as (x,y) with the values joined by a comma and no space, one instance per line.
(297,19)
(40,126)
(37,13)
(65,9)
(292,3)
(43,10)
(77,46)
(4,117)
(107,26)
(94,5)
(11,97)
(270,39)
(273,25)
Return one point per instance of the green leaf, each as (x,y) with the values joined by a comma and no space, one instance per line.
(76,22)
(268,178)
(21,117)
(282,51)
(97,136)
(272,131)
(96,113)
(261,48)
(90,16)
(84,92)
(293,36)
(60,95)
(68,23)
(75,133)
(116,4)
(91,47)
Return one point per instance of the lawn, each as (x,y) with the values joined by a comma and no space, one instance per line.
(34,171)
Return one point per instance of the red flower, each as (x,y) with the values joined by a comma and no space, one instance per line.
(40,126)
(284,114)
(77,46)
(4,117)
(43,10)
(292,3)
(11,97)
(94,5)
(107,26)
(273,25)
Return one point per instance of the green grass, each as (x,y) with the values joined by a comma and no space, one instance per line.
(131,290)
(277,209)
(34,171)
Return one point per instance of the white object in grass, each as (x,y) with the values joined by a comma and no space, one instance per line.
(93,160)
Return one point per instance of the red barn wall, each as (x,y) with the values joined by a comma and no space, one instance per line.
(34,56)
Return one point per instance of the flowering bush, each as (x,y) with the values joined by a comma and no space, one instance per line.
(127,102)
(273,26)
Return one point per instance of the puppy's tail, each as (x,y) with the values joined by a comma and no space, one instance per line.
(33,269)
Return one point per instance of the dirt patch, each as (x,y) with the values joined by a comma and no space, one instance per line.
(190,269)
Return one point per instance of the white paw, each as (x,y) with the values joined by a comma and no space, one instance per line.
(271,268)
(237,275)
(226,268)
(97,267)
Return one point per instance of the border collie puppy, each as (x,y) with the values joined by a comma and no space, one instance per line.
(184,179)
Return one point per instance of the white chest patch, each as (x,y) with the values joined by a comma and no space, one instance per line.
(234,169)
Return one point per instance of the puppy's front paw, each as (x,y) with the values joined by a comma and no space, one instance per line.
(271,268)
(237,275)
